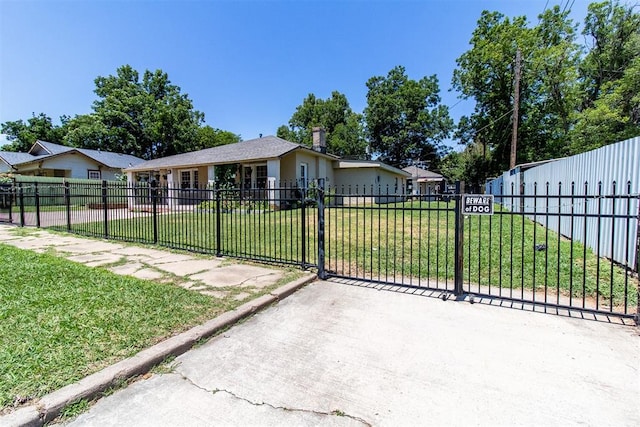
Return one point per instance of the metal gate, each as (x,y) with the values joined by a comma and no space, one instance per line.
(431,242)
(374,235)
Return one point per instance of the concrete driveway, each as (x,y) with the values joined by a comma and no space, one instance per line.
(337,354)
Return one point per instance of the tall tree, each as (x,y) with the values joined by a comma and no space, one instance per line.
(552,92)
(609,30)
(614,116)
(404,118)
(610,76)
(485,74)
(548,94)
(22,135)
(343,127)
(149,118)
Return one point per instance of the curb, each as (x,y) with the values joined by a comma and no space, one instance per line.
(49,406)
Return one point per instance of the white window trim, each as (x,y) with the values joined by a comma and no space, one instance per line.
(304,174)
(192,173)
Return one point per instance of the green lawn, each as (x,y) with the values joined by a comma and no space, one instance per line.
(60,321)
(382,242)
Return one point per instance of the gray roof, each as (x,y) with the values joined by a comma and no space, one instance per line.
(107,158)
(49,147)
(110,159)
(268,147)
(422,173)
(356,164)
(12,158)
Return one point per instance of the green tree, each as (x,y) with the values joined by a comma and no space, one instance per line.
(549,93)
(469,165)
(22,135)
(209,137)
(87,131)
(610,77)
(614,116)
(404,118)
(148,118)
(485,73)
(551,89)
(609,29)
(344,131)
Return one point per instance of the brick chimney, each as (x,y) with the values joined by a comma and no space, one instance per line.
(319,140)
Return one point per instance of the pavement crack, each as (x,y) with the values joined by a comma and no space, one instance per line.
(334,413)
(254,278)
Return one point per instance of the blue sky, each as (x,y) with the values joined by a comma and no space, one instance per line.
(245,64)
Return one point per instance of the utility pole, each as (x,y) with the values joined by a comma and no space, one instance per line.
(516,108)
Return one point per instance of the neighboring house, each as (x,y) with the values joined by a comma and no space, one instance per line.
(265,163)
(424,181)
(384,183)
(53,160)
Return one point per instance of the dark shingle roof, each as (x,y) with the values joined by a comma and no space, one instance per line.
(268,147)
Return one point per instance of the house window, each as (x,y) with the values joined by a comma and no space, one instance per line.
(246,177)
(261,176)
(304,174)
(189,178)
(94,174)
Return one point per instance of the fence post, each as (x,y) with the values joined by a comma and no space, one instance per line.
(322,274)
(218,195)
(12,196)
(67,203)
(154,209)
(21,203)
(638,264)
(303,230)
(105,209)
(36,194)
(459,240)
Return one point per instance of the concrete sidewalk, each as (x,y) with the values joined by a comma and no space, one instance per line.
(337,354)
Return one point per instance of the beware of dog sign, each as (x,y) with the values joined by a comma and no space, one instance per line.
(477,204)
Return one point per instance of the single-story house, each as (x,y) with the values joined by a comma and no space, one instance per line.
(424,182)
(265,163)
(54,160)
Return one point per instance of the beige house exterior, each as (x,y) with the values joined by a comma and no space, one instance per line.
(267,165)
(383,183)
(263,164)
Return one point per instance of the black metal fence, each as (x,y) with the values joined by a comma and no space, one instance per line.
(376,234)
(277,226)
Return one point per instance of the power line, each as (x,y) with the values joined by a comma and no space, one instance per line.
(494,121)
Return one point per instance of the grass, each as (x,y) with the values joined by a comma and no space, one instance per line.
(404,241)
(60,321)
